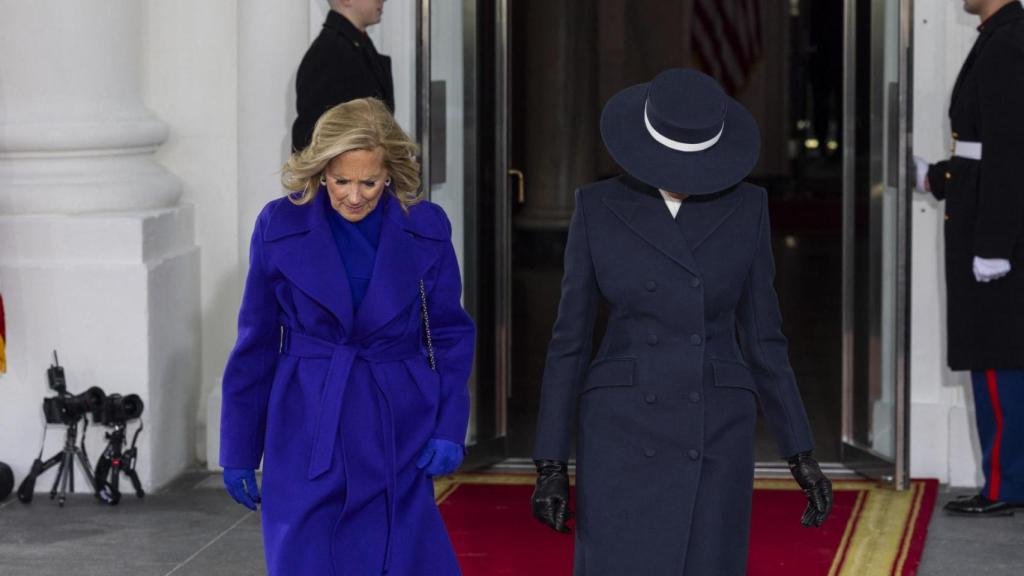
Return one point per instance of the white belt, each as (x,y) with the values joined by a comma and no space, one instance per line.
(969,150)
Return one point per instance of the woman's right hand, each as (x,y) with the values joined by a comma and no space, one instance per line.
(241,484)
(551,496)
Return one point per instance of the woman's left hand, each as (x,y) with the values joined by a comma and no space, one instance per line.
(817,487)
(440,457)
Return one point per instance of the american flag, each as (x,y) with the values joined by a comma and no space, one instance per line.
(727,39)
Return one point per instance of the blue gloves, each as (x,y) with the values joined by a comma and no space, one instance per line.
(440,457)
(241,484)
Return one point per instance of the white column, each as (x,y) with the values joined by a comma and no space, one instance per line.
(97,257)
(74,135)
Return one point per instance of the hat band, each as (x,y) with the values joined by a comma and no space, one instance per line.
(677,145)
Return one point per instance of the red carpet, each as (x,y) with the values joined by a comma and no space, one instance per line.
(872,530)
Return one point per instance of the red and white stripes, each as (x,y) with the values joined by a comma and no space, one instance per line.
(727,39)
(995,475)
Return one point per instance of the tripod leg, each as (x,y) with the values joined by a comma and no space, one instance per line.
(134,477)
(115,481)
(68,469)
(60,474)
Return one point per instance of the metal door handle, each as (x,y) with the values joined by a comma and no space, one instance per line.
(521,188)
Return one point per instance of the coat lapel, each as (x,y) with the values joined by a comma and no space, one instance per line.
(405,252)
(646,215)
(310,258)
(700,217)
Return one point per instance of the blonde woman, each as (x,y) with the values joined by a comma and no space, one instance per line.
(349,374)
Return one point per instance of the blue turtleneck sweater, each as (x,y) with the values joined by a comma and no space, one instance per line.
(357,243)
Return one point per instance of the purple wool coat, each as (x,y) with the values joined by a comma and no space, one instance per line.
(338,402)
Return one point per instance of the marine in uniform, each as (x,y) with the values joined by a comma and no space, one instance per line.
(983,188)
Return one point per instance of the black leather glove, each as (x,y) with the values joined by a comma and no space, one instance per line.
(816,486)
(551,496)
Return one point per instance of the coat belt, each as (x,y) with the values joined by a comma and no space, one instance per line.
(969,150)
(342,356)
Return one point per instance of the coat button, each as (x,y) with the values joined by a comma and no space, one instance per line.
(947,217)
(652,339)
(693,454)
(649,452)
(949,176)
(696,340)
(695,397)
(956,136)
(651,398)
(651,285)
(695,282)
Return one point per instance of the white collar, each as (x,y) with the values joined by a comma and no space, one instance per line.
(672,202)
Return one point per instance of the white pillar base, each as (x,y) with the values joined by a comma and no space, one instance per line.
(213,403)
(117,295)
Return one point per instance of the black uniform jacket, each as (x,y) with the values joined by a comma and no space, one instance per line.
(341,65)
(985,199)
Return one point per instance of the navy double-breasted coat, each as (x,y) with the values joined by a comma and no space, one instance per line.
(340,402)
(668,406)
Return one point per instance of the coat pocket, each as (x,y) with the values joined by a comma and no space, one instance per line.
(609,372)
(733,374)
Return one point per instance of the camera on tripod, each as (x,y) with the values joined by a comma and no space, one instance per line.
(113,411)
(116,409)
(69,408)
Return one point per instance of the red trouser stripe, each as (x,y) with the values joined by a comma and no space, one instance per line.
(994,478)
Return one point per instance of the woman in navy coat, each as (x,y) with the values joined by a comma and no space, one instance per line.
(680,249)
(331,380)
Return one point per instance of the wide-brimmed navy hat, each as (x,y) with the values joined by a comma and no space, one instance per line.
(681,133)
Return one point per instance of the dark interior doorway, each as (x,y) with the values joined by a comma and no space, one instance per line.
(783,60)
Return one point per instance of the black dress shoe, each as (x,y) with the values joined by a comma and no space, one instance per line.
(979,507)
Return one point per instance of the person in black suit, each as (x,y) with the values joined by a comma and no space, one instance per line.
(680,249)
(984,235)
(341,65)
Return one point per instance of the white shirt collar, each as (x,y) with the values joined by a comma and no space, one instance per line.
(672,202)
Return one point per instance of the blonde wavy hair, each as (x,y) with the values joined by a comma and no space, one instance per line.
(363,124)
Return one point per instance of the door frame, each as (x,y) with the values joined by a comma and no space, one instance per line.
(894,470)
(487,266)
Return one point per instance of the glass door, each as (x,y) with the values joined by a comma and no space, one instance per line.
(460,126)
(876,239)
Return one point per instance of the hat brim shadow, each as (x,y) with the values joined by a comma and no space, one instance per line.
(709,171)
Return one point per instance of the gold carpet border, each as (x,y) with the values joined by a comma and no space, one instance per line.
(844,543)
(877,536)
(884,532)
(911,525)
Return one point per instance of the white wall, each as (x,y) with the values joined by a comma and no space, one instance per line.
(190,81)
(944,443)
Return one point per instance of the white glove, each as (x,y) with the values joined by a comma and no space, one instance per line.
(922,174)
(988,269)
